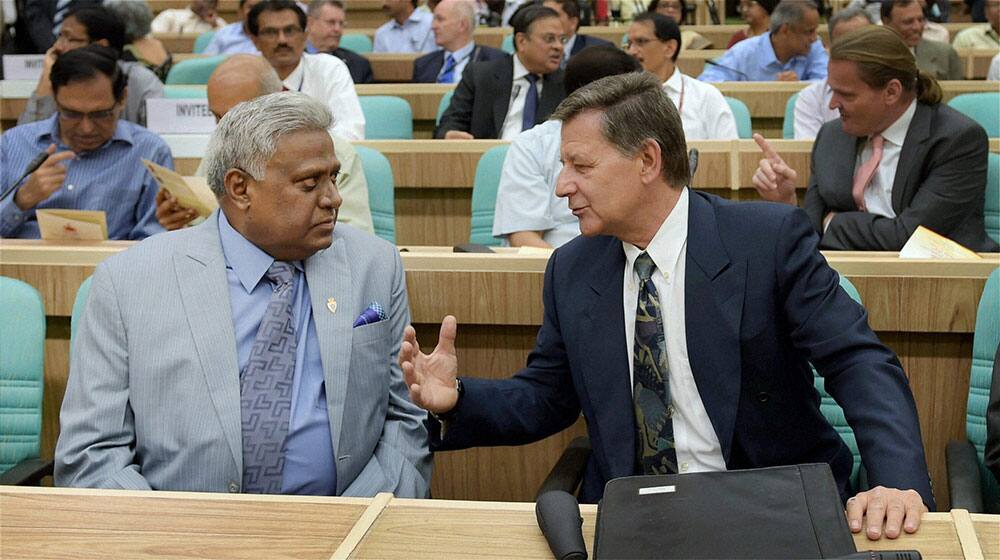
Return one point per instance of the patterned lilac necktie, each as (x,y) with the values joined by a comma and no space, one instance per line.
(654,438)
(266,387)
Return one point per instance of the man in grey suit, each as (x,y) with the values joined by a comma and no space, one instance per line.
(938,59)
(255,352)
(897,158)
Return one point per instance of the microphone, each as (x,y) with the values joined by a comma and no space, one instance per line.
(558,515)
(724,67)
(693,160)
(883,555)
(33,166)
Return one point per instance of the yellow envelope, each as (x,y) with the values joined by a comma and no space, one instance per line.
(190,192)
(72,225)
(926,244)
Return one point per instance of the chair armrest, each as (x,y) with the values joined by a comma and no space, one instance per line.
(964,485)
(568,470)
(28,472)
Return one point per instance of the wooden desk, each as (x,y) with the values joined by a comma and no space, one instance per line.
(361,13)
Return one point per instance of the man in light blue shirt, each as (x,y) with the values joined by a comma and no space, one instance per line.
(235,37)
(409,30)
(789,52)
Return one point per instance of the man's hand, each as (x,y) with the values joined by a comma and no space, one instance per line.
(894,507)
(774,180)
(44,87)
(44,181)
(458,135)
(788,76)
(431,378)
(170,213)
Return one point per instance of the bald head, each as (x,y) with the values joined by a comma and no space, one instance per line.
(240,78)
(453,23)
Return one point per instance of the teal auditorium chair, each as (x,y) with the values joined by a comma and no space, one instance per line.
(443,106)
(984,108)
(992,206)
(79,304)
(201,43)
(788,125)
(507,45)
(378,174)
(970,484)
(484,195)
(356,42)
(742,114)
(194,71)
(22,351)
(387,117)
(184,92)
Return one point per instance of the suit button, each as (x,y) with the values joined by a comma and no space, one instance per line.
(762,396)
(234,488)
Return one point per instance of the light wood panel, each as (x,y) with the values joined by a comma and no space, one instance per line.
(361,13)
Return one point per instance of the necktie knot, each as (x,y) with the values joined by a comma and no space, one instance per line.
(532,78)
(280,274)
(644,266)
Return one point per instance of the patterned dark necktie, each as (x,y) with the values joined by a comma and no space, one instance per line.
(62,9)
(448,73)
(266,387)
(654,438)
(530,103)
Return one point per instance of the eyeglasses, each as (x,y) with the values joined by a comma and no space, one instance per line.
(103,115)
(272,33)
(551,39)
(640,42)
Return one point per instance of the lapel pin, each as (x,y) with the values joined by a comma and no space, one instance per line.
(331,304)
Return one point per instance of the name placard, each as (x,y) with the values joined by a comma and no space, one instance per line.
(23,66)
(179,116)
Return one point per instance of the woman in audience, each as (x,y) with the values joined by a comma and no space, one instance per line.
(757,14)
(140,45)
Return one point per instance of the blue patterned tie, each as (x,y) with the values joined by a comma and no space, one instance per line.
(530,103)
(651,392)
(448,73)
(266,387)
(62,8)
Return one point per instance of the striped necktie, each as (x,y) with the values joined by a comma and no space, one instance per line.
(62,8)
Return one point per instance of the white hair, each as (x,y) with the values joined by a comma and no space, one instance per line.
(247,136)
(467,9)
(791,12)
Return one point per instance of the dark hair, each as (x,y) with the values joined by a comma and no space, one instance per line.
(684,9)
(665,28)
(101,23)
(571,8)
(527,14)
(889,5)
(767,5)
(273,6)
(596,62)
(80,65)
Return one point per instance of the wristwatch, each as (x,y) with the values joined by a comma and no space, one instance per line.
(447,416)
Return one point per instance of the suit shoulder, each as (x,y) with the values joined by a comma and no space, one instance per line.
(591,41)
(426,58)
(489,53)
(152,251)
(361,241)
(946,119)
(750,218)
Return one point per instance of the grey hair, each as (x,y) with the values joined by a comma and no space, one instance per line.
(316,5)
(635,109)
(847,14)
(247,136)
(135,16)
(791,12)
(466,9)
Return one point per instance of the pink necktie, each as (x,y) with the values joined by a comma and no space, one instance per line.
(867,171)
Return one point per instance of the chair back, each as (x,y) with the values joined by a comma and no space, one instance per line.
(443,106)
(378,174)
(984,347)
(982,108)
(742,115)
(484,195)
(22,351)
(991,209)
(194,70)
(507,45)
(202,41)
(185,92)
(788,125)
(387,117)
(356,42)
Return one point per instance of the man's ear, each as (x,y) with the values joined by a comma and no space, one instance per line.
(652,161)
(237,186)
(892,92)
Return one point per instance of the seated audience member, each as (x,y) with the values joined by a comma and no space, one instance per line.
(199,17)
(790,51)
(906,18)
(454,21)
(95,159)
(42,19)
(213,358)
(897,157)
(278,30)
(994,71)
(730,378)
(757,14)
(235,37)
(982,36)
(407,31)
(812,107)
(569,16)
(503,97)
(992,452)
(677,9)
(933,31)
(243,77)
(327,20)
(85,26)
(140,46)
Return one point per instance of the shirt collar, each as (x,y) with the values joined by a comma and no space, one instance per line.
(673,83)
(519,70)
(294,80)
(896,132)
(768,57)
(666,246)
(247,260)
(461,53)
(50,133)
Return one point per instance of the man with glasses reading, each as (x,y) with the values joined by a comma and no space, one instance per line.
(94,159)
(278,30)
(501,98)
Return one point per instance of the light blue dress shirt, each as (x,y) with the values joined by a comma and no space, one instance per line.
(231,40)
(309,462)
(753,60)
(414,36)
(111,178)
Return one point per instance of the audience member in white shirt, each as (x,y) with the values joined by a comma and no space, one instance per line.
(198,17)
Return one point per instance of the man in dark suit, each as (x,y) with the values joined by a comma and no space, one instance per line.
(569,16)
(453,23)
(679,313)
(43,18)
(503,97)
(897,158)
(327,19)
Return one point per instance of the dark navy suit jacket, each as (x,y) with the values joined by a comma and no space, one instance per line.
(761,303)
(584,41)
(427,67)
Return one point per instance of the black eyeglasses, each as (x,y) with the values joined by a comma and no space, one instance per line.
(273,32)
(103,115)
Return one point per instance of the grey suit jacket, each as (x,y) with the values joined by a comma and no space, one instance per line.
(940,184)
(153,399)
(939,60)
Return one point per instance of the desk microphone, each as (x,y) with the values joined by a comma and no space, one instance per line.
(883,555)
(724,67)
(693,160)
(33,166)
(558,515)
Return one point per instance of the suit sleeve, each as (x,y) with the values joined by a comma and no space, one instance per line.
(458,115)
(38,20)
(954,181)
(813,202)
(992,453)
(956,71)
(97,428)
(863,376)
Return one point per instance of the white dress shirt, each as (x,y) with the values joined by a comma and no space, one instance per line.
(697,445)
(705,115)
(994,71)
(878,194)
(326,78)
(812,110)
(182,20)
(518,94)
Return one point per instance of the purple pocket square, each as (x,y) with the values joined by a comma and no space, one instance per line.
(373,314)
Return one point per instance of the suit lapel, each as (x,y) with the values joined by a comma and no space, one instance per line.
(914,148)
(201,279)
(503,77)
(553,93)
(841,169)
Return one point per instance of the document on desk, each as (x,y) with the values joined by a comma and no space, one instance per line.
(925,244)
(72,225)
(190,192)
